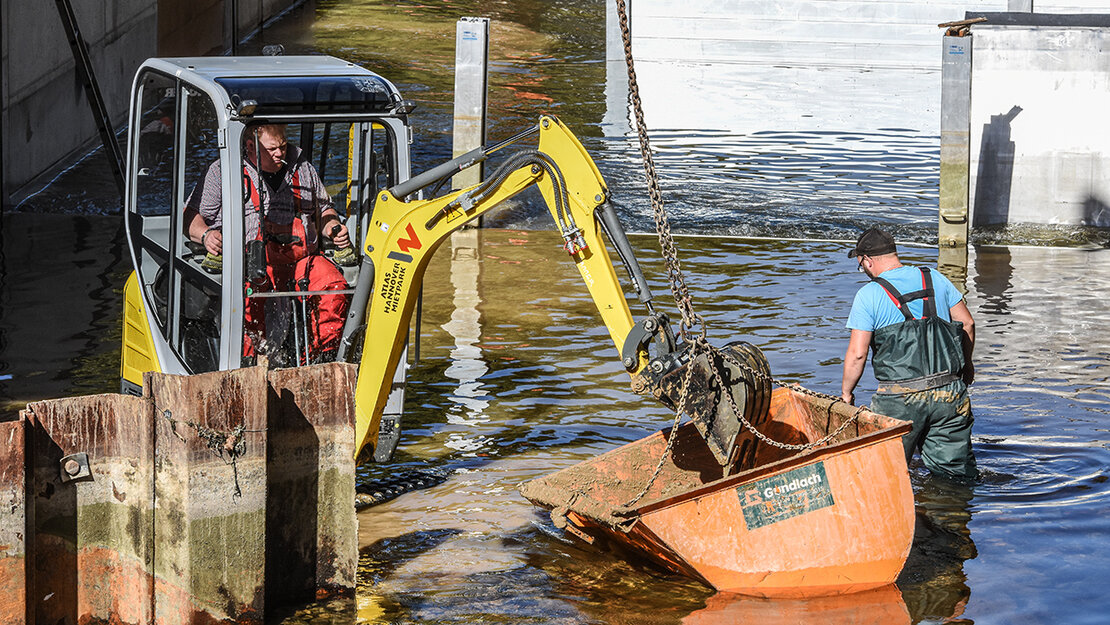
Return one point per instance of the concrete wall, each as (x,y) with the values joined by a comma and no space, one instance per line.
(46,120)
(1040,141)
(46,117)
(752,65)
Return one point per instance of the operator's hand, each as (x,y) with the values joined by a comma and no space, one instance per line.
(969,373)
(213,241)
(339,235)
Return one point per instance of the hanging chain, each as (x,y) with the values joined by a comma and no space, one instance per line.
(227,446)
(679,410)
(691,320)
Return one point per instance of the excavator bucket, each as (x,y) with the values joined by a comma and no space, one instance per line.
(746,375)
(835,518)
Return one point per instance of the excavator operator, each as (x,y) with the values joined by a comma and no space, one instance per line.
(288,209)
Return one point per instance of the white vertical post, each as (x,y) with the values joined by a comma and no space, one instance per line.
(617,121)
(955,150)
(471,79)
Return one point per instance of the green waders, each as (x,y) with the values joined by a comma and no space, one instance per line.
(918,364)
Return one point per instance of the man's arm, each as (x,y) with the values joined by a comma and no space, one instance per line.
(198,232)
(329,217)
(202,216)
(855,359)
(960,313)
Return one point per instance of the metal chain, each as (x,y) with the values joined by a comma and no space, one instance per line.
(680,410)
(219,443)
(681,293)
(760,435)
(691,320)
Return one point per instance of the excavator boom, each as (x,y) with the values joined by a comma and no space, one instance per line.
(404,235)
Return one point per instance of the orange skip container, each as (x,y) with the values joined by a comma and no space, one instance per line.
(833,519)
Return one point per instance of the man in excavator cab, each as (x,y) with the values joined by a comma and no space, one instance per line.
(289,208)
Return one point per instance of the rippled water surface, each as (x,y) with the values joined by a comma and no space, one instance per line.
(517,378)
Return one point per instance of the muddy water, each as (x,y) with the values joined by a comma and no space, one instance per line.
(517,379)
(550,393)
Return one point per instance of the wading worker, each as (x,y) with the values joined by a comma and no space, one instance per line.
(286,208)
(921,336)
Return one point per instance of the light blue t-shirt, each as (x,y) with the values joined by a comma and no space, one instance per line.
(873,309)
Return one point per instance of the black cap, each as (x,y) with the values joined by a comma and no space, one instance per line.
(873,242)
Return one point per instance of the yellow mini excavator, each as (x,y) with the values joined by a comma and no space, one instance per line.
(198,134)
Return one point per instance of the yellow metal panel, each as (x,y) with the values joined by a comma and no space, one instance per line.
(138,354)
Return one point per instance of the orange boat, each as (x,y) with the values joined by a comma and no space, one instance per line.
(832,519)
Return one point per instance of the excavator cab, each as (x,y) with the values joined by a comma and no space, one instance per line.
(193,123)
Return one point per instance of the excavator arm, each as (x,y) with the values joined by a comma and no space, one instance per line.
(404,235)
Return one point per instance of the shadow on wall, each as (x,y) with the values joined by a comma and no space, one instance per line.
(996,171)
(1096,212)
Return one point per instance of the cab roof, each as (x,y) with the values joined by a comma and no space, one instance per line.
(212,67)
(280,85)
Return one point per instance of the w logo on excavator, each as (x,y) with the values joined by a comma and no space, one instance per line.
(412,242)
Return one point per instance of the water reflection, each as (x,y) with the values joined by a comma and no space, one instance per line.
(879,606)
(933,581)
(467,365)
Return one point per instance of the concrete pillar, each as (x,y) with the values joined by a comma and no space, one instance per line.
(955,149)
(471,78)
(311,525)
(210,483)
(91,544)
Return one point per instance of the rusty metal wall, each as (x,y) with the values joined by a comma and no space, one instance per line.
(13,522)
(171,519)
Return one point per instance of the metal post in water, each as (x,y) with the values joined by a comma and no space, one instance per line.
(955,150)
(471,80)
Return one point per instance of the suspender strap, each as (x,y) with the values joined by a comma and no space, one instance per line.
(901,301)
(255,199)
(296,188)
(930,297)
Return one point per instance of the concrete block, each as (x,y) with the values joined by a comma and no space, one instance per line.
(210,483)
(1039,142)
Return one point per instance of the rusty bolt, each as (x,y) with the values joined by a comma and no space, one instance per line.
(72,467)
